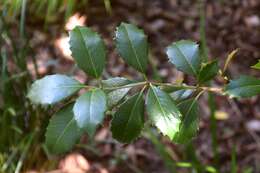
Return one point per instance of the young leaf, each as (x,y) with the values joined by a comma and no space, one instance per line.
(163,112)
(89,110)
(53,88)
(184,55)
(128,121)
(245,86)
(131,43)
(208,71)
(62,132)
(256,66)
(189,121)
(115,96)
(88,50)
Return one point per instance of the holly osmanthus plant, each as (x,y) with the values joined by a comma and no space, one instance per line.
(172,108)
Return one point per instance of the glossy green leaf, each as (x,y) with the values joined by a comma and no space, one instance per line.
(163,112)
(88,50)
(115,96)
(132,46)
(53,88)
(245,86)
(189,121)
(89,110)
(208,72)
(184,55)
(128,121)
(256,66)
(62,132)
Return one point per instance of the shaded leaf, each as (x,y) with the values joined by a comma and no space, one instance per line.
(208,71)
(131,43)
(53,88)
(256,66)
(163,112)
(62,132)
(181,94)
(245,86)
(89,110)
(115,96)
(88,50)
(189,121)
(128,120)
(116,82)
(184,55)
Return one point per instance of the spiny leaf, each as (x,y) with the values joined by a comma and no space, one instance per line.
(189,121)
(62,132)
(256,66)
(245,86)
(131,43)
(184,55)
(163,112)
(89,110)
(208,71)
(53,88)
(88,50)
(128,121)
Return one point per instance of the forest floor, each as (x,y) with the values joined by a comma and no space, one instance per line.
(229,25)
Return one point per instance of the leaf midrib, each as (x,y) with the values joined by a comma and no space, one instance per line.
(63,132)
(130,117)
(178,49)
(165,117)
(89,54)
(131,45)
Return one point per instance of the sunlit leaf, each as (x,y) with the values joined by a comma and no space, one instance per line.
(184,55)
(256,66)
(163,112)
(53,88)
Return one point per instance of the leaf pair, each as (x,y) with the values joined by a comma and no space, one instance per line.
(68,124)
(179,125)
(178,122)
(89,51)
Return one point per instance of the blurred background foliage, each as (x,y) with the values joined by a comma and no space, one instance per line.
(33,43)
